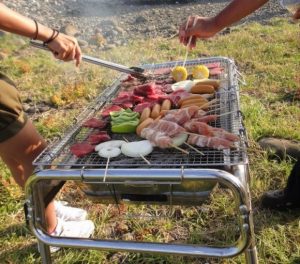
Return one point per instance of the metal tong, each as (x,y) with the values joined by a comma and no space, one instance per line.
(134,71)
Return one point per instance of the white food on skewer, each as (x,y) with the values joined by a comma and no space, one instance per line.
(179,139)
(111,143)
(186,85)
(137,148)
(109,152)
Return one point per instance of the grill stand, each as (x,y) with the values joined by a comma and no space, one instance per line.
(236,181)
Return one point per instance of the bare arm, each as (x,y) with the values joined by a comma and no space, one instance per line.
(237,10)
(205,27)
(64,47)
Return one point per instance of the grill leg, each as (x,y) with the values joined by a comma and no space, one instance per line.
(45,253)
(251,255)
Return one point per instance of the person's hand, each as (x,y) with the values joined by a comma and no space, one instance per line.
(196,27)
(65,48)
(297,14)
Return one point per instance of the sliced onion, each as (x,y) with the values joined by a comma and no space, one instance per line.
(137,148)
(111,143)
(179,139)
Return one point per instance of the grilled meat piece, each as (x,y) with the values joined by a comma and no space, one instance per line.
(210,142)
(81,149)
(181,116)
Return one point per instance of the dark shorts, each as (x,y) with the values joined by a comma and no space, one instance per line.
(12,117)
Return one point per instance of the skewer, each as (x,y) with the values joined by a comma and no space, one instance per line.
(106,168)
(198,151)
(209,103)
(228,113)
(180,149)
(147,161)
(190,40)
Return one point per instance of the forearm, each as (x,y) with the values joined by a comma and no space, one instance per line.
(15,23)
(237,10)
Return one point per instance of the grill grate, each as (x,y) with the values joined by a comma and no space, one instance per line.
(228,102)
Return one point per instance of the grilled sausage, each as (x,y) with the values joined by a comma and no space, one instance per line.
(202,89)
(166,105)
(155,111)
(142,125)
(145,114)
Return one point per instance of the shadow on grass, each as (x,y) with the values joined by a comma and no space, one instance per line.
(20,254)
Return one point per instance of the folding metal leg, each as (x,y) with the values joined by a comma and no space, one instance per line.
(44,250)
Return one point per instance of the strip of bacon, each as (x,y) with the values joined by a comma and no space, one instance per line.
(156,138)
(206,119)
(210,142)
(181,116)
(168,128)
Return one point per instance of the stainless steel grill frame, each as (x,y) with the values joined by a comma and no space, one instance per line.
(229,167)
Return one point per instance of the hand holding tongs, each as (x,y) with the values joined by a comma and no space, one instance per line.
(135,71)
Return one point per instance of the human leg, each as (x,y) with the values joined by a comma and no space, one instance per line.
(287,198)
(20,144)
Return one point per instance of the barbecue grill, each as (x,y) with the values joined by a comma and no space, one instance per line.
(170,177)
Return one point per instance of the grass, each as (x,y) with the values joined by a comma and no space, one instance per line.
(267,56)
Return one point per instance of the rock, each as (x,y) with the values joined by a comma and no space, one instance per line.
(120,30)
(26,107)
(43,108)
(31,110)
(140,19)
(82,43)
(70,30)
(109,46)
(108,22)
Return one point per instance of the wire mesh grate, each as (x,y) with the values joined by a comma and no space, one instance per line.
(59,154)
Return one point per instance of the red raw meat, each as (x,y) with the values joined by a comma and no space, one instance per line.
(95,123)
(167,88)
(99,137)
(157,98)
(215,71)
(213,65)
(162,71)
(129,78)
(166,81)
(144,89)
(140,107)
(177,95)
(81,149)
(126,105)
(137,99)
(110,108)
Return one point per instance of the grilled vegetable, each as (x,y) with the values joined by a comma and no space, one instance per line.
(200,72)
(179,73)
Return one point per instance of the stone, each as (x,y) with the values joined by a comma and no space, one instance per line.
(140,19)
(70,30)
(82,43)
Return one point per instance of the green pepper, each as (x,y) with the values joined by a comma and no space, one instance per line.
(126,127)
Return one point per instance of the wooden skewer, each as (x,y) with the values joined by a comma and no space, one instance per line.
(190,40)
(106,168)
(190,133)
(147,161)
(209,103)
(228,113)
(180,149)
(192,147)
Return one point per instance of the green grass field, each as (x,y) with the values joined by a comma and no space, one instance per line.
(267,56)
